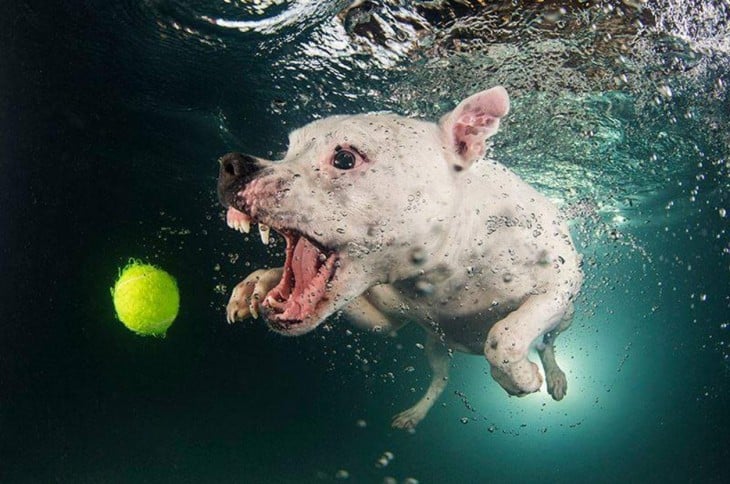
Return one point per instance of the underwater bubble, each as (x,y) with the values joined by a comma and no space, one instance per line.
(361,424)
(464,420)
(722,212)
(665,91)
(342,474)
(384,459)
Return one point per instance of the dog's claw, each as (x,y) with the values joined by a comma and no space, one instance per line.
(254,308)
(244,301)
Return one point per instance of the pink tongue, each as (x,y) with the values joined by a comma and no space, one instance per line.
(305,262)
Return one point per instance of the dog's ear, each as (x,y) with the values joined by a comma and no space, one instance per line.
(475,119)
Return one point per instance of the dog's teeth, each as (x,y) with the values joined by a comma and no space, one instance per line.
(264,231)
(245,226)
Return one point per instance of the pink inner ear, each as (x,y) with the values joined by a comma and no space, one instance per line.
(474,120)
(468,139)
(470,133)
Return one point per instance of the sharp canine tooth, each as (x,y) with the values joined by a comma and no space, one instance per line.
(264,231)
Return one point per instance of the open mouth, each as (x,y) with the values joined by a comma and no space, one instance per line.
(308,269)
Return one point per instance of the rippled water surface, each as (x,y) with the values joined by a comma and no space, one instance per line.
(113,115)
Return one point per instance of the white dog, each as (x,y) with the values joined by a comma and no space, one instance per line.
(392,220)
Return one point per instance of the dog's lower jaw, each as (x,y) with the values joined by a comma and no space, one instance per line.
(292,328)
(344,286)
(287,326)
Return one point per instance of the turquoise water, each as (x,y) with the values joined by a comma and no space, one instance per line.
(113,117)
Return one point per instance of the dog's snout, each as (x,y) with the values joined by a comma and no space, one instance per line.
(236,170)
(237,165)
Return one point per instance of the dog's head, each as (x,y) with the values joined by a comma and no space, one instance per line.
(360,200)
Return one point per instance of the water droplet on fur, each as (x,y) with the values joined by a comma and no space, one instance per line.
(424,287)
(418,256)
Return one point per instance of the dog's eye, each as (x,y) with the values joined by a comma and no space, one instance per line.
(344,160)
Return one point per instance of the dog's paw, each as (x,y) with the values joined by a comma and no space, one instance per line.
(246,296)
(557,384)
(408,419)
(519,378)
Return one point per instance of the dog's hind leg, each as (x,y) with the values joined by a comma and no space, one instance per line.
(557,384)
(438,360)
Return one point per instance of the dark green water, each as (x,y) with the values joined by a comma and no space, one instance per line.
(112,117)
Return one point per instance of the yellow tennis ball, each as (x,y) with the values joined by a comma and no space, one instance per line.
(146,299)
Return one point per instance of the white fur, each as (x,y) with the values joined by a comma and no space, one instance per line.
(428,232)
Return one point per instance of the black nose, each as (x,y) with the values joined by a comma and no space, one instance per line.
(236,170)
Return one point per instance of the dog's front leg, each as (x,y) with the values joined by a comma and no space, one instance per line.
(248,293)
(438,360)
(510,339)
